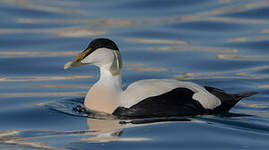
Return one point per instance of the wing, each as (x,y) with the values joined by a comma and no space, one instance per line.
(178,102)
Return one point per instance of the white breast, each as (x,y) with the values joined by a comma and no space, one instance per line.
(143,89)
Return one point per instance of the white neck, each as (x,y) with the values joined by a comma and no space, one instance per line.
(108,80)
(104,95)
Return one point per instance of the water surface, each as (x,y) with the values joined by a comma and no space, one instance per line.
(220,43)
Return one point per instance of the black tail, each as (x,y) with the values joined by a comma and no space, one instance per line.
(227,100)
(238,97)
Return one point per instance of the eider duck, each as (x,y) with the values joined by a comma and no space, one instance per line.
(146,98)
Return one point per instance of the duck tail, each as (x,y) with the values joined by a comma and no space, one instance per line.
(228,103)
(227,100)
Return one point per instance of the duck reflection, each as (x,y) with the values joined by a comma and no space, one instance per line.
(109,130)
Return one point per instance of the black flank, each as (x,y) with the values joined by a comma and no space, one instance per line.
(177,102)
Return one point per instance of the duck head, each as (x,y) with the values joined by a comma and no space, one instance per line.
(101,52)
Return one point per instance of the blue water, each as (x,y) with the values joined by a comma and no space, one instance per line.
(219,43)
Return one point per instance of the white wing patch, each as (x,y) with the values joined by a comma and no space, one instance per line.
(143,89)
(208,101)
